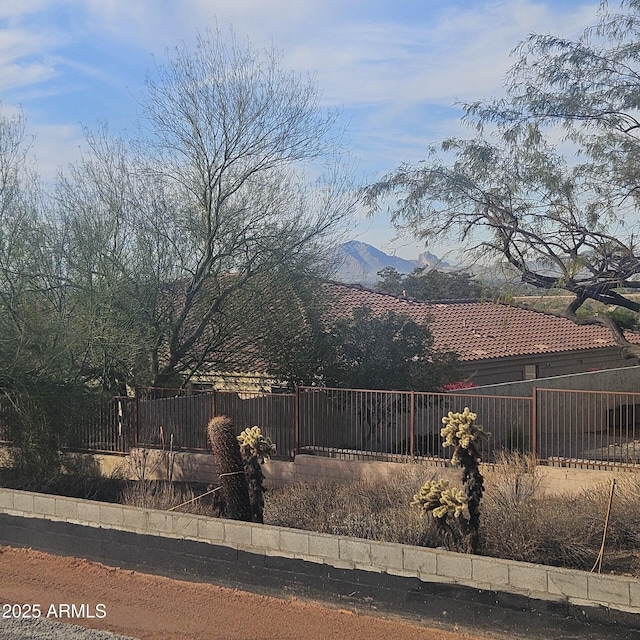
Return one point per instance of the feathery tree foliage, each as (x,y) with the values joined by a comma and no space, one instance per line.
(160,256)
(157,257)
(550,182)
(195,226)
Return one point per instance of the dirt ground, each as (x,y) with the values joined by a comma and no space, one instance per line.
(158,608)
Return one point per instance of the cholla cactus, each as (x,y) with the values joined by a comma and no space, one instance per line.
(453,503)
(461,432)
(252,442)
(457,513)
(448,506)
(442,500)
(256,449)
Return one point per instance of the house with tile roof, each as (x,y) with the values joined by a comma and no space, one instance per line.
(495,342)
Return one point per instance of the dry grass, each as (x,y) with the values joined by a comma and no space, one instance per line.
(372,509)
(163,495)
(521,523)
(518,521)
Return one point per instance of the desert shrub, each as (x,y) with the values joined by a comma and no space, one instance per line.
(81,477)
(521,523)
(518,522)
(42,421)
(513,479)
(624,523)
(78,477)
(373,509)
(552,530)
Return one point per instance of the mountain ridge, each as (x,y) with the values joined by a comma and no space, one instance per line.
(357,262)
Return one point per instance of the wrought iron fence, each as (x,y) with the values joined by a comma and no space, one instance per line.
(109,427)
(274,413)
(84,422)
(401,424)
(588,428)
(176,422)
(180,422)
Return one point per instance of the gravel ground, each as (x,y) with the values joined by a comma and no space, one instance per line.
(42,629)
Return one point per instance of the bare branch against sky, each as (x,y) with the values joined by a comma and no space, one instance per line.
(394,70)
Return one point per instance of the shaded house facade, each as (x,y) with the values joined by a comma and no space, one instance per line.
(495,342)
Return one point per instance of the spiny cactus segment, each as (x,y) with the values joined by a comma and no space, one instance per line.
(229,463)
(441,500)
(457,513)
(256,449)
(253,443)
(461,431)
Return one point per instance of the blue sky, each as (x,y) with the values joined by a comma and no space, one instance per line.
(394,69)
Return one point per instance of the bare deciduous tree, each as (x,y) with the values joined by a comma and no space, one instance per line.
(184,236)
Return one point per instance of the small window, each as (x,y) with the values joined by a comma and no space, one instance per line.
(530,371)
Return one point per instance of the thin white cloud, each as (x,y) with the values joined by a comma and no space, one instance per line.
(460,54)
(393,67)
(24,55)
(360,57)
(11,9)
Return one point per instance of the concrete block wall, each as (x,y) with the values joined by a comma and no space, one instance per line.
(538,582)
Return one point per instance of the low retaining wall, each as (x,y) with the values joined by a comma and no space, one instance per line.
(431,584)
(199,467)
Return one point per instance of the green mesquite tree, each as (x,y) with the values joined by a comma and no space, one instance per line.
(549,182)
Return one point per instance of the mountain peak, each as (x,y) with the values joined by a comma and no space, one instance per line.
(359,262)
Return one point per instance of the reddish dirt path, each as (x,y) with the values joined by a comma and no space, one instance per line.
(158,608)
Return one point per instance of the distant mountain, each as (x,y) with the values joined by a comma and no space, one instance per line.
(359,262)
(431,261)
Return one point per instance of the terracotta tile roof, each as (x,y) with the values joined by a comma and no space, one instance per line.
(478,330)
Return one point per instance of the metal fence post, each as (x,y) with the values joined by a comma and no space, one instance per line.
(412,425)
(534,425)
(296,423)
(136,417)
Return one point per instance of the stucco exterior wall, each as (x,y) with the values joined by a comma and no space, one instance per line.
(194,467)
(616,379)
